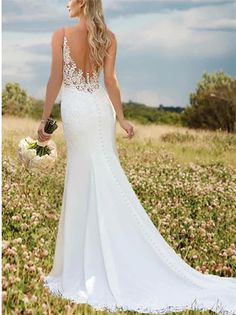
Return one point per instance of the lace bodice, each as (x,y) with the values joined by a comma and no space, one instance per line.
(73,77)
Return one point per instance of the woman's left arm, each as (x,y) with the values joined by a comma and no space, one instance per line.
(54,81)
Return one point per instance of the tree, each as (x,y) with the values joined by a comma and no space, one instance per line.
(15,100)
(213,105)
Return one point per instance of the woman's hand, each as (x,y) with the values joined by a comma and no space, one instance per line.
(127,127)
(42,135)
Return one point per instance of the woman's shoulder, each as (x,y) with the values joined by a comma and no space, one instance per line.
(110,32)
(111,35)
(59,30)
(57,36)
(58,33)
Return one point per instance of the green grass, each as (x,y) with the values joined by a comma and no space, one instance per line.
(189,194)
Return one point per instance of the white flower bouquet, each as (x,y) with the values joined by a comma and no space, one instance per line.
(39,156)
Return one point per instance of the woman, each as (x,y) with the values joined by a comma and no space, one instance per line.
(108,252)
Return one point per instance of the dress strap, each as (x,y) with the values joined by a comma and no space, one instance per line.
(63,32)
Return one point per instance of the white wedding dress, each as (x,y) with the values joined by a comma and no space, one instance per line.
(108,252)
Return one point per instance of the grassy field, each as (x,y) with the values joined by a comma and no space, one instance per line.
(185,180)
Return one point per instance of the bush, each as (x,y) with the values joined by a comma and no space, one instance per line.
(213,105)
(15,101)
(177,137)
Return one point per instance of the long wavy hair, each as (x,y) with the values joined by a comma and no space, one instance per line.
(98,36)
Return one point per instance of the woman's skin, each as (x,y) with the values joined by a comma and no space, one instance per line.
(75,8)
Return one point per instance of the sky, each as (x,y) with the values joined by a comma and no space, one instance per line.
(164,46)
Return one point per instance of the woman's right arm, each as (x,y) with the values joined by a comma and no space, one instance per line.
(112,85)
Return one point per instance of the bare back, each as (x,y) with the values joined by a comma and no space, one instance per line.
(77,41)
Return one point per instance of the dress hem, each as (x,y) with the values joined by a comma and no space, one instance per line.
(218,308)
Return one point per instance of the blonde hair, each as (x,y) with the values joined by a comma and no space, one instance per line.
(98,33)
